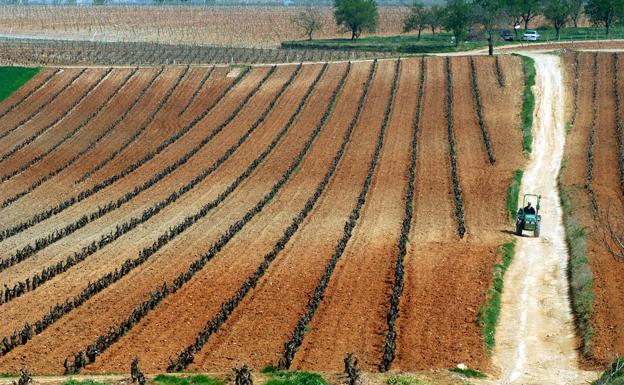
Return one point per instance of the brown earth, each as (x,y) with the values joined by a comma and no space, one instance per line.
(607,316)
(443,275)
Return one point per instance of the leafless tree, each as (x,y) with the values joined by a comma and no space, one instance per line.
(309,20)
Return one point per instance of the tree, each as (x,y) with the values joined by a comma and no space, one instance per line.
(356,16)
(604,12)
(458,19)
(309,20)
(490,14)
(417,19)
(576,9)
(528,9)
(435,17)
(558,12)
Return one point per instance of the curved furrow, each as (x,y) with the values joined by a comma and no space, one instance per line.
(186,356)
(397,290)
(68,135)
(84,194)
(103,342)
(52,271)
(39,86)
(141,129)
(60,117)
(197,91)
(7,202)
(291,347)
(21,337)
(43,242)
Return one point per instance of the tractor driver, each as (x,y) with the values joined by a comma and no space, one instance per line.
(529,209)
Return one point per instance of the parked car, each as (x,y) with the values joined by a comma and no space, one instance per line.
(507,35)
(531,35)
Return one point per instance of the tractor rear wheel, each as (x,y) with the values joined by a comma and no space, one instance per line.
(536,233)
(518,228)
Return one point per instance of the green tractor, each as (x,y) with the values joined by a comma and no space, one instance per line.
(528,217)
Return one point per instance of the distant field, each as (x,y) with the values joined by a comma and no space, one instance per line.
(223,212)
(244,26)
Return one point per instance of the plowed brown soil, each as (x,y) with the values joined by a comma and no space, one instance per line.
(607,315)
(445,279)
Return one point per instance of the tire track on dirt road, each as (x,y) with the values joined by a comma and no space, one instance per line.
(535,339)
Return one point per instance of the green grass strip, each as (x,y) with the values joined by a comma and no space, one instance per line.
(614,375)
(287,377)
(469,373)
(513,193)
(490,311)
(163,379)
(528,105)
(85,382)
(403,379)
(579,272)
(12,78)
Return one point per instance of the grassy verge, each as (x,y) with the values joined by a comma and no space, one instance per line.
(614,375)
(191,380)
(468,373)
(12,78)
(428,43)
(286,377)
(528,105)
(579,271)
(403,379)
(490,311)
(85,382)
(513,193)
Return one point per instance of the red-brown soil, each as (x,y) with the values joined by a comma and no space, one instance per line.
(445,279)
(607,316)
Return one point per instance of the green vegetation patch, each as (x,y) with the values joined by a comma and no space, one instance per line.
(579,272)
(528,105)
(490,311)
(614,375)
(513,193)
(12,78)
(469,373)
(84,382)
(428,43)
(163,379)
(403,379)
(278,377)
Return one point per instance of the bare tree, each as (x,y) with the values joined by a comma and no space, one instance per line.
(309,20)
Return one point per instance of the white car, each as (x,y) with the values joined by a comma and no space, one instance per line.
(531,35)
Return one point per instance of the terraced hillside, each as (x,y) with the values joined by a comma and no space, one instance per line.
(201,217)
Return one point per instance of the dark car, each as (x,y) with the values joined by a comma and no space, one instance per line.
(507,35)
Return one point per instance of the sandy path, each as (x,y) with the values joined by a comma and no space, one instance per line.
(536,342)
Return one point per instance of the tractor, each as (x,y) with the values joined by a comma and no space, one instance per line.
(529,221)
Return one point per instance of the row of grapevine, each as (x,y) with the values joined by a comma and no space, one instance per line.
(42,107)
(476,94)
(146,123)
(43,215)
(27,332)
(31,249)
(619,127)
(103,342)
(575,86)
(65,137)
(457,192)
(36,88)
(56,52)
(129,225)
(71,161)
(589,176)
(395,298)
(197,90)
(291,346)
(499,72)
(50,125)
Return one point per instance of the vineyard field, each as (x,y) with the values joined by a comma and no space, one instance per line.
(201,217)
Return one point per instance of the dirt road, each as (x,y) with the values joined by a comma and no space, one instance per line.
(535,340)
